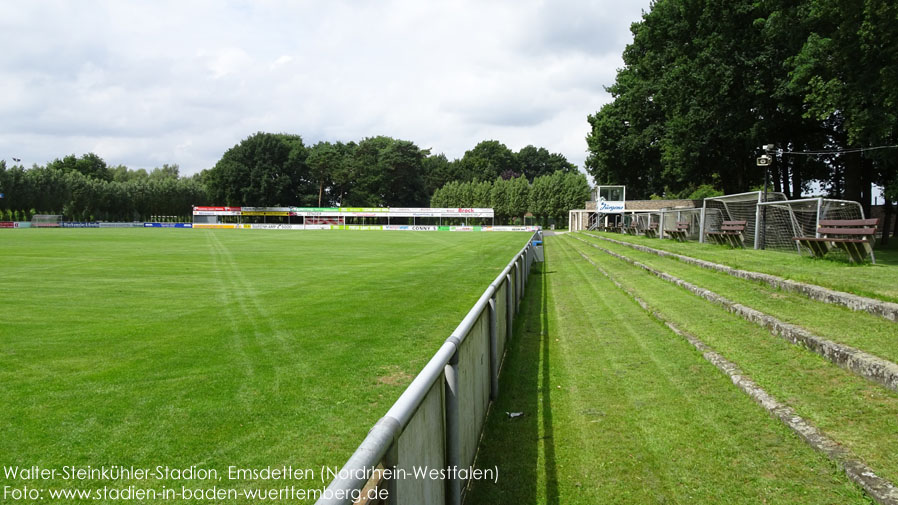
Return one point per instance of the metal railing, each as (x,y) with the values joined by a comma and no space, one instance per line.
(437,421)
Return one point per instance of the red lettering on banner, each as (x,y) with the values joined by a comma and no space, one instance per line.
(8,224)
(466,210)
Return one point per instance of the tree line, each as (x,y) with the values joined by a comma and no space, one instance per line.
(86,189)
(547,197)
(266,169)
(705,83)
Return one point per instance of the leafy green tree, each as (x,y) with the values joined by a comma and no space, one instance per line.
(487,160)
(438,170)
(542,194)
(90,165)
(165,172)
(574,193)
(537,161)
(848,69)
(265,169)
(518,194)
(324,160)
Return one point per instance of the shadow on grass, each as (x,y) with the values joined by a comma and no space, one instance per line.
(522,447)
(887,254)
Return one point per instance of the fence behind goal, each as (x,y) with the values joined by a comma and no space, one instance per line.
(437,421)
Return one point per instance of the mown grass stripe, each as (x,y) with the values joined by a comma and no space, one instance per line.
(883,491)
(872,367)
(867,332)
(886,310)
(852,410)
(619,410)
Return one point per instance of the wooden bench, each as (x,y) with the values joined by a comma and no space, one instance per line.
(679,233)
(730,234)
(652,230)
(854,236)
(632,229)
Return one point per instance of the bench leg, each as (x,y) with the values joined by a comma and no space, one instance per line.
(857,253)
(818,249)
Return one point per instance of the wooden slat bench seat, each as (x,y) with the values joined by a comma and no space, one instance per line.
(652,230)
(730,234)
(854,236)
(632,229)
(679,233)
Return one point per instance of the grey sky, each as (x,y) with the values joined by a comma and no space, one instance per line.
(147,83)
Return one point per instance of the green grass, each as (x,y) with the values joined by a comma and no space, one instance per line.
(220,347)
(618,409)
(858,414)
(861,330)
(835,272)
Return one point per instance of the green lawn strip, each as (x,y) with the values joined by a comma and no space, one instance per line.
(856,413)
(617,409)
(221,347)
(861,330)
(878,281)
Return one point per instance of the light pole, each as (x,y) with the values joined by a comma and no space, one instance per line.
(766,161)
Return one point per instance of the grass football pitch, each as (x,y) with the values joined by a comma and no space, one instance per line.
(213,348)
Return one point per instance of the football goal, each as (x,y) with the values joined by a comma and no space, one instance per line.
(670,218)
(801,218)
(46,221)
(737,207)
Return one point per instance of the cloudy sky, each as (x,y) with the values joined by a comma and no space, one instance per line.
(142,83)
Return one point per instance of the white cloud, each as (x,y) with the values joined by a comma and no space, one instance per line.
(153,82)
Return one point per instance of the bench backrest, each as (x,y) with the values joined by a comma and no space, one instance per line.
(733,226)
(848,227)
(854,223)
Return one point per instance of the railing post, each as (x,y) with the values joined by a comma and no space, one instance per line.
(453,434)
(517,275)
(390,462)
(509,308)
(494,350)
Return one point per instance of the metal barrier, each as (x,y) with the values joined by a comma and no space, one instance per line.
(437,421)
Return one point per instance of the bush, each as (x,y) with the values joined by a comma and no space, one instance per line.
(704,191)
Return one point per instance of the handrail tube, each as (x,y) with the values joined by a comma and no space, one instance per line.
(407,403)
(369,453)
(388,429)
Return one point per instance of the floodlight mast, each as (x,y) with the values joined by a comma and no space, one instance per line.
(766,161)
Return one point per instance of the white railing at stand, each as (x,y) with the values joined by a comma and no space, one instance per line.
(437,421)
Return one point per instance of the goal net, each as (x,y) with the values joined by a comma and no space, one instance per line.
(801,218)
(738,207)
(693,218)
(46,221)
(646,219)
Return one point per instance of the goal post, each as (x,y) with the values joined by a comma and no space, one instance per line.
(46,221)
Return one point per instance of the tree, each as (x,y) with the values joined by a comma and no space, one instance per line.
(537,161)
(487,160)
(265,169)
(518,194)
(89,165)
(848,69)
(324,160)
(438,170)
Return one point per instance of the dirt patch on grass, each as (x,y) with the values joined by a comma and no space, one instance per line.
(394,376)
